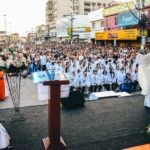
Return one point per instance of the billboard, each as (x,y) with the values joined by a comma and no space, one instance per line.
(130,34)
(128,18)
(119,8)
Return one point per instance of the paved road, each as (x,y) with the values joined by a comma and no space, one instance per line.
(108,124)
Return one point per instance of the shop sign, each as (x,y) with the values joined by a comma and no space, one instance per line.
(127,18)
(140,33)
(119,8)
(79,30)
(130,34)
(101,35)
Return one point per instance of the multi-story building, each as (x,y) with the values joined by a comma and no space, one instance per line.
(57,9)
(96,20)
(121,25)
(78,31)
(40,32)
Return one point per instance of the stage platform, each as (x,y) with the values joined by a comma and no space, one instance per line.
(106,124)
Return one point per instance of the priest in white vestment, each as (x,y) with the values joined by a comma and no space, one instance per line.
(4,138)
(144,76)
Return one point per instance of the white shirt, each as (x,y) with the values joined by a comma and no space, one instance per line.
(43,60)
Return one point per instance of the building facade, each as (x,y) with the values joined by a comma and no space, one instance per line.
(80,29)
(57,9)
(96,20)
(121,25)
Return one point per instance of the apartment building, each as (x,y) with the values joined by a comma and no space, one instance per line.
(56,9)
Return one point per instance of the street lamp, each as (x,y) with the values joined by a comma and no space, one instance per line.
(10,27)
(5,24)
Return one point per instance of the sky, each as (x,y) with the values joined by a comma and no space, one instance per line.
(21,15)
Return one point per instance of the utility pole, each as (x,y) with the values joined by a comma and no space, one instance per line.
(48,29)
(10,32)
(142,21)
(71,34)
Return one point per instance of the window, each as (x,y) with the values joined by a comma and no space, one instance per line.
(116,20)
(107,22)
(93,25)
(102,23)
(87,10)
(87,4)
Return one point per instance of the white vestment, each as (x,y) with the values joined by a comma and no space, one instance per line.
(144,76)
(4,137)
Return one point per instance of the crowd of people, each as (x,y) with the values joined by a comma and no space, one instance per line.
(88,66)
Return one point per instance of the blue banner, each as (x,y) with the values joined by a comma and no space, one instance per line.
(40,76)
(128,18)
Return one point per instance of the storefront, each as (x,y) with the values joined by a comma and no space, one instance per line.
(118,37)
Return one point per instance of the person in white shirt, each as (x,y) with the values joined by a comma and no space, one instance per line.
(134,80)
(96,82)
(85,81)
(74,82)
(48,65)
(43,60)
(113,80)
(106,80)
(121,77)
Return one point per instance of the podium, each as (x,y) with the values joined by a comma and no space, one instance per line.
(54,141)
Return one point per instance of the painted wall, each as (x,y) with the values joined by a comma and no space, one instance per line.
(110,22)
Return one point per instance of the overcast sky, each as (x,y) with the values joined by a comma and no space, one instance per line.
(22,15)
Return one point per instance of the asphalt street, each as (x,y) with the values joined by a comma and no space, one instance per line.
(106,124)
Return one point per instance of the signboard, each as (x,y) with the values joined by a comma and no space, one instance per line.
(101,35)
(84,35)
(119,8)
(140,33)
(130,34)
(127,18)
(40,76)
(79,30)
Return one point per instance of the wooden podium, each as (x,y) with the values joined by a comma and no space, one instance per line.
(54,141)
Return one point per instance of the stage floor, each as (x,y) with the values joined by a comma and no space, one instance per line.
(107,124)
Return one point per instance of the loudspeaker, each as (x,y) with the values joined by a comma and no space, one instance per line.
(75,99)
